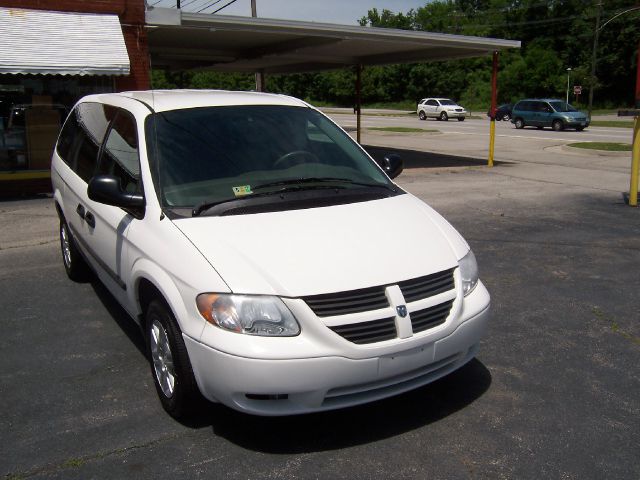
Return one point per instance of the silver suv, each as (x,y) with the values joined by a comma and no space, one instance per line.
(440,109)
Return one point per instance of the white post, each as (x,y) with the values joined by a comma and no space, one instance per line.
(568,78)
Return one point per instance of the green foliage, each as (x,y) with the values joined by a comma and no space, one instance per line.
(555,34)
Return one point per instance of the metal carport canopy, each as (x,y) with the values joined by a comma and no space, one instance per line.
(182,40)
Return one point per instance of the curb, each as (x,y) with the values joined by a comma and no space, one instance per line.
(595,153)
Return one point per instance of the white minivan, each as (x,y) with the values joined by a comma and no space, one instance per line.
(249,236)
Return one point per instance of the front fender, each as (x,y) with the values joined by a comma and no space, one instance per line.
(182,305)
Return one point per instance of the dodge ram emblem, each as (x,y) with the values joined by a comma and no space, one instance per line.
(402,310)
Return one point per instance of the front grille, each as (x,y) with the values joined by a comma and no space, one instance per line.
(430,317)
(427,286)
(343,303)
(368,332)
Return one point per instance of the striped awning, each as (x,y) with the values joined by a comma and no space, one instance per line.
(61,43)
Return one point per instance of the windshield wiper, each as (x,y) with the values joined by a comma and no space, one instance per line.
(290,185)
(305,180)
(207,204)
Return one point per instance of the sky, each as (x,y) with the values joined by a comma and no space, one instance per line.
(345,12)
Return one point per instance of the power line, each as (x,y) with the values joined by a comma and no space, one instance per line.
(211,4)
(224,6)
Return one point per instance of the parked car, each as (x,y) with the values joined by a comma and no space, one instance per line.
(440,109)
(248,236)
(503,112)
(548,112)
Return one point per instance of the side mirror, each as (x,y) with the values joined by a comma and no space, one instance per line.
(392,164)
(106,189)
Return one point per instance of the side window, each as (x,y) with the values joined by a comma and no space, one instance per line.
(82,136)
(94,119)
(120,153)
(68,137)
(432,102)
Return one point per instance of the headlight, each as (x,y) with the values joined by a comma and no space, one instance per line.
(468,272)
(251,314)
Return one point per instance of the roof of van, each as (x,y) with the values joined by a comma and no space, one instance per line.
(164,100)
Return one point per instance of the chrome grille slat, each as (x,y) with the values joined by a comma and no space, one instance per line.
(427,286)
(430,317)
(343,303)
(367,332)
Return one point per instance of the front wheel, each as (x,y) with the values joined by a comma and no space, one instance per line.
(170,366)
(557,125)
(519,123)
(444,116)
(506,117)
(74,264)
(461,119)
(579,129)
(422,115)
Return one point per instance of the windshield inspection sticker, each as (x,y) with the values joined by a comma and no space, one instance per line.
(242,190)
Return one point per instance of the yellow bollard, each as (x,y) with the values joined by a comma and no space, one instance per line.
(635,161)
(492,140)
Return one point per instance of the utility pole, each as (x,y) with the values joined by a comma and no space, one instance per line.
(593,57)
(259,75)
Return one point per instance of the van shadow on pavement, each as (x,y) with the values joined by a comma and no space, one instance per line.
(417,159)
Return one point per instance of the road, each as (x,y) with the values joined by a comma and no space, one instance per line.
(481,128)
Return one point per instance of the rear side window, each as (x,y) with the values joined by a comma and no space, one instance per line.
(433,103)
(82,136)
(120,153)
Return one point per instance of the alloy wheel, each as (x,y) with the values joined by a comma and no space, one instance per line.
(162,358)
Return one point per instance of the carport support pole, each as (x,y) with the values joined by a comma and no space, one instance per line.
(494,95)
(259,75)
(635,154)
(635,160)
(358,100)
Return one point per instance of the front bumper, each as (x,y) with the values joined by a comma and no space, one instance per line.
(303,385)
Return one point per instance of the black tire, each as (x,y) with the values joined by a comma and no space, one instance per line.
(506,117)
(461,119)
(422,115)
(74,264)
(519,123)
(540,127)
(170,367)
(579,129)
(444,116)
(557,126)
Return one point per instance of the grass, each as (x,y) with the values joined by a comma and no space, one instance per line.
(611,123)
(608,146)
(402,129)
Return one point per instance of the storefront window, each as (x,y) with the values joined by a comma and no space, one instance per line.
(32,111)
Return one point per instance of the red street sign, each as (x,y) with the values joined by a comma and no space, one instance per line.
(577,89)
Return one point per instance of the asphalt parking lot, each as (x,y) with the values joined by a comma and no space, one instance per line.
(554,392)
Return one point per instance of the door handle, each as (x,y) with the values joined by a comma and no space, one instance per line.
(90,219)
(80,210)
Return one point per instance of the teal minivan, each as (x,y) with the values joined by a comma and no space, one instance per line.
(548,112)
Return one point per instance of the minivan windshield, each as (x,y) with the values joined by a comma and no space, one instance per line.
(210,155)
(560,106)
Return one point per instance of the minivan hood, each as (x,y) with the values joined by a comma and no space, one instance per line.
(321,250)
